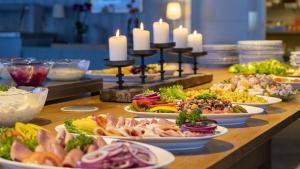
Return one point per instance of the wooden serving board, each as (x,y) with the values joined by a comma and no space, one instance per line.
(110,92)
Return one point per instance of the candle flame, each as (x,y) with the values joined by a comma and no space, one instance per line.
(118,33)
(142,26)
(180,27)
(160,21)
(195,32)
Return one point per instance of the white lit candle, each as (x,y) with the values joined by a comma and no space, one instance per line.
(160,32)
(117,47)
(180,37)
(195,41)
(141,38)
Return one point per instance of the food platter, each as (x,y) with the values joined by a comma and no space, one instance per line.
(270,101)
(228,119)
(164,158)
(170,143)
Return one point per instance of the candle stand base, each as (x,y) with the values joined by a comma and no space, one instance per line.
(194,56)
(142,54)
(119,65)
(161,47)
(180,51)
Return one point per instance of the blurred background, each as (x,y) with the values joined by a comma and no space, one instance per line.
(79,29)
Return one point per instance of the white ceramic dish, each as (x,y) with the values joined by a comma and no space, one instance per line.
(164,158)
(171,143)
(228,119)
(290,80)
(270,101)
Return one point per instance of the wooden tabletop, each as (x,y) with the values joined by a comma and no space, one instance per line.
(222,152)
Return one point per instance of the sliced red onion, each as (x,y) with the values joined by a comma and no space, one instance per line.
(120,154)
(149,96)
(94,156)
(203,126)
(152,160)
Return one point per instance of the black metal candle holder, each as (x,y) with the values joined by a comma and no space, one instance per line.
(119,65)
(194,56)
(161,47)
(179,52)
(142,54)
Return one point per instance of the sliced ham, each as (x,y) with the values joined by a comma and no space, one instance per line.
(165,122)
(19,152)
(143,123)
(68,137)
(72,157)
(121,122)
(57,150)
(131,122)
(111,119)
(170,133)
(44,138)
(49,143)
(60,137)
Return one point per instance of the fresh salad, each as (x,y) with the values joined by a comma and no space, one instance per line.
(175,100)
(163,101)
(271,66)
(209,104)
(110,125)
(256,84)
(31,144)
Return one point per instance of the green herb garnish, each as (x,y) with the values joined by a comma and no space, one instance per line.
(7,139)
(73,129)
(3,88)
(192,117)
(80,141)
(206,96)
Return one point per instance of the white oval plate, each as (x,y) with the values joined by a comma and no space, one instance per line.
(169,143)
(225,119)
(164,158)
(270,101)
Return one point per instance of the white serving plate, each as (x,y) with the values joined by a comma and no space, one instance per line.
(170,143)
(164,158)
(228,119)
(270,101)
(295,85)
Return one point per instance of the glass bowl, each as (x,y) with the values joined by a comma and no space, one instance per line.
(21,104)
(68,69)
(28,72)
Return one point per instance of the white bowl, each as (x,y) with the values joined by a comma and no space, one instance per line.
(68,69)
(21,106)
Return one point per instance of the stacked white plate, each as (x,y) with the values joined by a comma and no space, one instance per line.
(219,55)
(295,58)
(258,50)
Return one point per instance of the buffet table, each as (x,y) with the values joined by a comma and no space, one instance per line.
(247,146)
